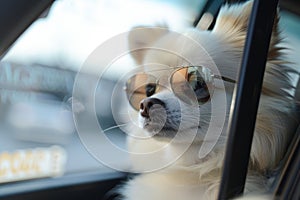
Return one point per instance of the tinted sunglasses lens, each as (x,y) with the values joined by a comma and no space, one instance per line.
(139,87)
(192,84)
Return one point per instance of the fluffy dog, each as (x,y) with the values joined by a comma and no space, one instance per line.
(165,111)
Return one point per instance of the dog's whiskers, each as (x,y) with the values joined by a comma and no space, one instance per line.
(114,127)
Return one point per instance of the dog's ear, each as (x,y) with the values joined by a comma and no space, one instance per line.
(232,22)
(232,25)
(141,38)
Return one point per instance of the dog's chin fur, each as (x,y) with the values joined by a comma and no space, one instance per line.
(191,177)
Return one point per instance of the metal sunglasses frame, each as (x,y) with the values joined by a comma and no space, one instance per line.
(130,93)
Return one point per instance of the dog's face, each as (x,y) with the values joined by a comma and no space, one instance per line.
(188,79)
(180,91)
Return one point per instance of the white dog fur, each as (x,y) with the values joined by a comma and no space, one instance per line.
(191,177)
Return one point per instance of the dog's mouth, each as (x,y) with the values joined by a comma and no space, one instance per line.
(166,128)
(155,124)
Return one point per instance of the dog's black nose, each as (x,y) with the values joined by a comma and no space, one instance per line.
(147,103)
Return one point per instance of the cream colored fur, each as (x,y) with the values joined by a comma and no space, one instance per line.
(193,178)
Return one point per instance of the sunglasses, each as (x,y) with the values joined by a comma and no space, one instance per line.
(187,83)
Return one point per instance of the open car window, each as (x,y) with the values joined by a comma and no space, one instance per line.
(39,145)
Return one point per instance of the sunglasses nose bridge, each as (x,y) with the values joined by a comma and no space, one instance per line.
(164,81)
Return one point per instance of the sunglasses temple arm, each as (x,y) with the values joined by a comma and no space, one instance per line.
(225,78)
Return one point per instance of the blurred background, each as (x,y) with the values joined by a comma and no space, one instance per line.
(38,72)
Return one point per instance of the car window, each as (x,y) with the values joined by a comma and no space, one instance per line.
(38,133)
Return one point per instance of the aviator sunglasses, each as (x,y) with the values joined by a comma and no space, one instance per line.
(187,83)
